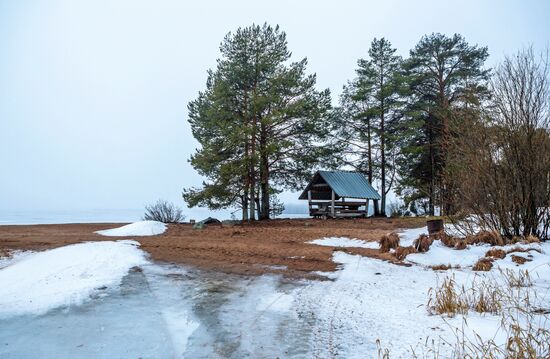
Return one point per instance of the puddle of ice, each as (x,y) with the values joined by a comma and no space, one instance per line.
(168,311)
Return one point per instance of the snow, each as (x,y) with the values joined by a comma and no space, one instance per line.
(64,276)
(345,242)
(370,299)
(143,228)
(210,314)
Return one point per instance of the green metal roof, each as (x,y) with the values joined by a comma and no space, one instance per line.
(346,184)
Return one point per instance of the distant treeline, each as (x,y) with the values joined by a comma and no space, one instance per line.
(412,125)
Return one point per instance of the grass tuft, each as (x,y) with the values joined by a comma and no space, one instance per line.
(389,241)
(483,264)
(422,244)
(402,252)
(496,253)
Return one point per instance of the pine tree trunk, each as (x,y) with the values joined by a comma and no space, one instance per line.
(264,173)
(370,166)
(383,154)
(431,190)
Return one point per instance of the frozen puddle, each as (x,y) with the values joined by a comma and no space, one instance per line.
(161,311)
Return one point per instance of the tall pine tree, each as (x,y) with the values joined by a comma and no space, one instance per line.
(260,123)
(445,75)
(370,109)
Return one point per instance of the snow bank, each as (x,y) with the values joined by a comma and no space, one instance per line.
(64,276)
(143,228)
(344,242)
(441,254)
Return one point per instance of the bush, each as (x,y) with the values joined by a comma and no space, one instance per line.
(163,211)
(389,241)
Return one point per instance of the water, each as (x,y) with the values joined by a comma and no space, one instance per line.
(168,311)
(107,216)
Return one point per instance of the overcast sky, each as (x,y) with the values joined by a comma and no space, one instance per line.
(93,94)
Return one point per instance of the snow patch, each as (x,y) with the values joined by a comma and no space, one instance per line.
(345,242)
(143,228)
(64,276)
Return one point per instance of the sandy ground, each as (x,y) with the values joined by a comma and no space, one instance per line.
(277,246)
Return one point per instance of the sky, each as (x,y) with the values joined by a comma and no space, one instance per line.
(93,94)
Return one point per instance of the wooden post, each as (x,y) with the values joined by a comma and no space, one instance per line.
(309,201)
(332,210)
(367,207)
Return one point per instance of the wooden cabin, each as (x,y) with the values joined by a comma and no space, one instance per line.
(337,194)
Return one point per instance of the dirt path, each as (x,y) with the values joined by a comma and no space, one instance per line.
(273,246)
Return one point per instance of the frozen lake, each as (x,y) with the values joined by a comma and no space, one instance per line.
(106,216)
(155,313)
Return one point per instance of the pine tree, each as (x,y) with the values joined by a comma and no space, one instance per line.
(260,123)
(370,106)
(444,74)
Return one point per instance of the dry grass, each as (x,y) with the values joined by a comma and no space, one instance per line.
(446,239)
(402,252)
(496,253)
(519,260)
(422,244)
(489,237)
(522,324)
(441,267)
(487,297)
(446,299)
(517,279)
(483,264)
(522,250)
(389,241)
(531,239)
(461,244)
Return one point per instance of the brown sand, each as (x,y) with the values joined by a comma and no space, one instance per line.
(271,246)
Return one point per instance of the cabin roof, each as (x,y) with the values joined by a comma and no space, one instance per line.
(344,184)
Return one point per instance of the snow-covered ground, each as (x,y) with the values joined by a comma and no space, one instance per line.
(64,276)
(345,242)
(86,302)
(143,228)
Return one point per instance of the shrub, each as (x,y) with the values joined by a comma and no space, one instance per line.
(389,241)
(402,252)
(496,253)
(422,244)
(163,211)
(483,264)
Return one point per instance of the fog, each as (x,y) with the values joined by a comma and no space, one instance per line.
(93,94)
